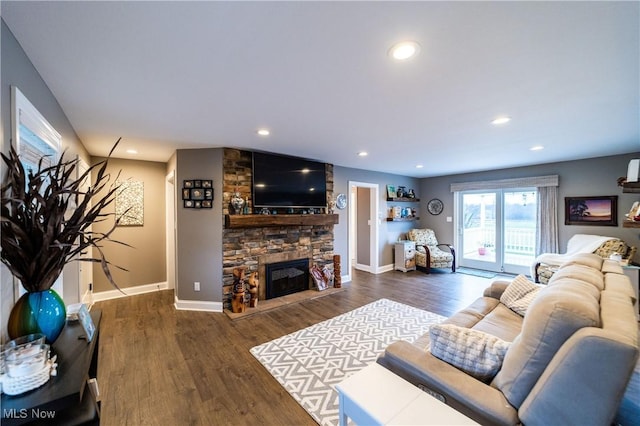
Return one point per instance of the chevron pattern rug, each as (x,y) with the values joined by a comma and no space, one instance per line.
(310,362)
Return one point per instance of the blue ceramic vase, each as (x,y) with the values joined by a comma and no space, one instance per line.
(39,312)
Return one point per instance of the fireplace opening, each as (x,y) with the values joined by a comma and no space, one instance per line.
(287,277)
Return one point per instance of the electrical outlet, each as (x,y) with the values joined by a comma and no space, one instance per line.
(196,286)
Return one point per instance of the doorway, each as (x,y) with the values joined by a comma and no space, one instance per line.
(170,208)
(497,229)
(363,226)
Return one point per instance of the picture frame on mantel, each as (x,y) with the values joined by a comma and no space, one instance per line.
(591,211)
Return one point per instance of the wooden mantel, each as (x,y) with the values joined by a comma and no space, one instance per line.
(264,220)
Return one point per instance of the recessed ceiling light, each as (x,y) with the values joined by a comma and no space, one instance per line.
(419,166)
(263,132)
(501,120)
(536,148)
(363,154)
(132,151)
(404,50)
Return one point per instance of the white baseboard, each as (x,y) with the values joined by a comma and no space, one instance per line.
(385,268)
(197,305)
(129,291)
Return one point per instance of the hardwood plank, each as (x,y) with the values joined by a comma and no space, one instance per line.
(162,366)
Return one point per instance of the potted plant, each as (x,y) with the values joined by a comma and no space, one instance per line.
(46,218)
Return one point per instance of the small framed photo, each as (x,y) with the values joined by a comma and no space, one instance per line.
(188,204)
(598,211)
(197,194)
(207,184)
(186,193)
(197,204)
(207,204)
(187,184)
(197,183)
(391,191)
(208,194)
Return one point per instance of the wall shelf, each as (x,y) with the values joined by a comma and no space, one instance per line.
(630,224)
(632,187)
(404,200)
(266,220)
(402,219)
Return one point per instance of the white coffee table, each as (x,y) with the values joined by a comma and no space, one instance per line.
(376,396)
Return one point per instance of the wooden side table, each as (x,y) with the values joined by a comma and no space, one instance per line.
(376,396)
(65,399)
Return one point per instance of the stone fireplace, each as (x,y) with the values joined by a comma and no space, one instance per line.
(252,248)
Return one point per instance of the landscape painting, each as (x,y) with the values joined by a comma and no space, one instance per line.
(601,211)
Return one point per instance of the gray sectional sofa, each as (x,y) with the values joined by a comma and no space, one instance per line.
(569,361)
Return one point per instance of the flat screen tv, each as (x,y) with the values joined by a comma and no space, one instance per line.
(291,182)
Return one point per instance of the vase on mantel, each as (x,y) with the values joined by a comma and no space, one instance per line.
(237,202)
(38,312)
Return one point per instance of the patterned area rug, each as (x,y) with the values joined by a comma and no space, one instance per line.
(310,362)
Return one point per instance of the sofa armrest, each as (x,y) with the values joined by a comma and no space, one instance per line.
(496,289)
(475,399)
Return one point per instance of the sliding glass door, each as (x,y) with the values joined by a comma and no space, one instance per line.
(497,229)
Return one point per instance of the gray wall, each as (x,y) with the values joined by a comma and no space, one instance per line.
(389,232)
(199,231)
(145,260)
(16,70)
(591,177)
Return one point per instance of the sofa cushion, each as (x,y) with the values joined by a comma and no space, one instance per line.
(474,352)
(586,259)
(553,316)
(619,283)
(474,313)
(580,272)
(501,322)
(519,294)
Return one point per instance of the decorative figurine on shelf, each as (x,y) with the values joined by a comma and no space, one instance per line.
(237,202)
(402,192)
(253,283)
(411,193)
(331,205)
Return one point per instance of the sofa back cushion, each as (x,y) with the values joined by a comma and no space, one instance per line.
(555,314)
(580,272)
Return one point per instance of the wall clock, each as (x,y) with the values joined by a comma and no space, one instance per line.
(435,206)
(341,201)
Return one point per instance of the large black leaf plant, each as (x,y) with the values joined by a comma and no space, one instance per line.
(47,217)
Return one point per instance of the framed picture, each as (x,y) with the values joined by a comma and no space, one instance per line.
(197,194)
(187,184)
(197,183)
(208,194)
(207,204)
(207,184)
(391,191)
(598,211)
(186,193)
(188,204)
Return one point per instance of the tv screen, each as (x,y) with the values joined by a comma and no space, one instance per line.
(283,181)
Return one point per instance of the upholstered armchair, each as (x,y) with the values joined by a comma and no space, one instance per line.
(547,264)
(428,252)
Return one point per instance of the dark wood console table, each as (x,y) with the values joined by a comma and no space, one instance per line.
(65,399)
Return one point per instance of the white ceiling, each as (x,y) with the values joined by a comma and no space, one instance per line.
(168,75)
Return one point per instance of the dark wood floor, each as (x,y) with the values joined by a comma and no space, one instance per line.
(159,366)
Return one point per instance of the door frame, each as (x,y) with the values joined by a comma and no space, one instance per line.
(170,229)
(374,203)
